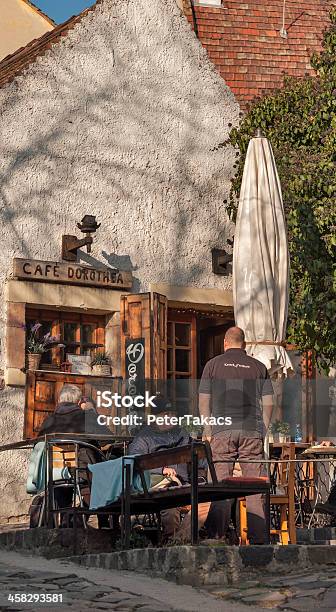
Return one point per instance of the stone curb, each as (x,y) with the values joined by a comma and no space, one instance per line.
(207,564)
(212,565)
(316,535)
(55,543)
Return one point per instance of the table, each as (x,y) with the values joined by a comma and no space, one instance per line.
(30,442)
(315,470)
(276,447)
(303,479)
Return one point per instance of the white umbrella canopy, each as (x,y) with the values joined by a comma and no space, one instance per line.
(261,261)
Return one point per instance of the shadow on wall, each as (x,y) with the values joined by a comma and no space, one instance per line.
(117,262)
(120,136)
(13,464)
(120,262)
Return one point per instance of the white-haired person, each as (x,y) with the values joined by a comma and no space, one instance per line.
(77,415)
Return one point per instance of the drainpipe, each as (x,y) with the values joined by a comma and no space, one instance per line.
(193,12)
(189,5)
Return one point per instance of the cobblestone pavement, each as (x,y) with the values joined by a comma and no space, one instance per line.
(93,589)
(302,591)
(67,590)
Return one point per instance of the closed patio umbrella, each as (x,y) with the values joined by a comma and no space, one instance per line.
(261,260)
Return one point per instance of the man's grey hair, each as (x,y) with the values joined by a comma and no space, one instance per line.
(70,393)
(234,336)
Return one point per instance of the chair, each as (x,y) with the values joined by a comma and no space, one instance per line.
(243,539)
(285,501)
(64,460)
(243,521)
(63,465)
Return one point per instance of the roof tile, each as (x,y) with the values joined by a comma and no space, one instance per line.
(250,41)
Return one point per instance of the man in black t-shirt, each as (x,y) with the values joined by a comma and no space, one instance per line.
(236,389)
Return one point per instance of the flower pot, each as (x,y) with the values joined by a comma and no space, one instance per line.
(34,360)
(101,370)
(282,437)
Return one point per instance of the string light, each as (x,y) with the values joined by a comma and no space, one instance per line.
(206,314)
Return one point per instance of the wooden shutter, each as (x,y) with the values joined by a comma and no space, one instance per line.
(160,310)
(143,316)
(135,324)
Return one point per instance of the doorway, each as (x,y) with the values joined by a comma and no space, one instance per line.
(193,339)
(194,336)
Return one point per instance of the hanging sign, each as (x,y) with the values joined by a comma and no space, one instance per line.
(135,365)
(69,273)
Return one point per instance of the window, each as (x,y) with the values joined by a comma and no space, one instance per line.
(82,334)
(181,347)
(181,365)
(208,2)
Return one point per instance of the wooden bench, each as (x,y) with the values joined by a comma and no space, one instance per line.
(190,494)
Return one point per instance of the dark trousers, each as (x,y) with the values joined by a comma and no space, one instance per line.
(228,447)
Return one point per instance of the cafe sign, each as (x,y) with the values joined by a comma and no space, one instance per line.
(71,273)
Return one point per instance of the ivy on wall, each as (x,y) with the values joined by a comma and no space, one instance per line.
(300,122)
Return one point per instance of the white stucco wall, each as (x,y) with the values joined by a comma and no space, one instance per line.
(119,119)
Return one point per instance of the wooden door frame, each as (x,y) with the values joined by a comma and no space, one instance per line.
(180,317)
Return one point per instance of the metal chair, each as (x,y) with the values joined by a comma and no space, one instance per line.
(63,455)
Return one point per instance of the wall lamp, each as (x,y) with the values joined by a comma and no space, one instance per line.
(71,244)
(222,260)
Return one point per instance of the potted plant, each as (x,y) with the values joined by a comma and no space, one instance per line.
(280,431)
(36,346)
(284,431)
(101,364)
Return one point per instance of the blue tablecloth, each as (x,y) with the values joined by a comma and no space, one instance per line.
(106,484)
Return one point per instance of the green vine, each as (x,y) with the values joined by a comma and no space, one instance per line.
(300,122)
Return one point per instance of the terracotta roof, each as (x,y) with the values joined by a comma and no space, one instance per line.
(13,65)
(243,40)
(35,8)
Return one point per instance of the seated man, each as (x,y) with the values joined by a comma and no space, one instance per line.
(157,437)
(73,414)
